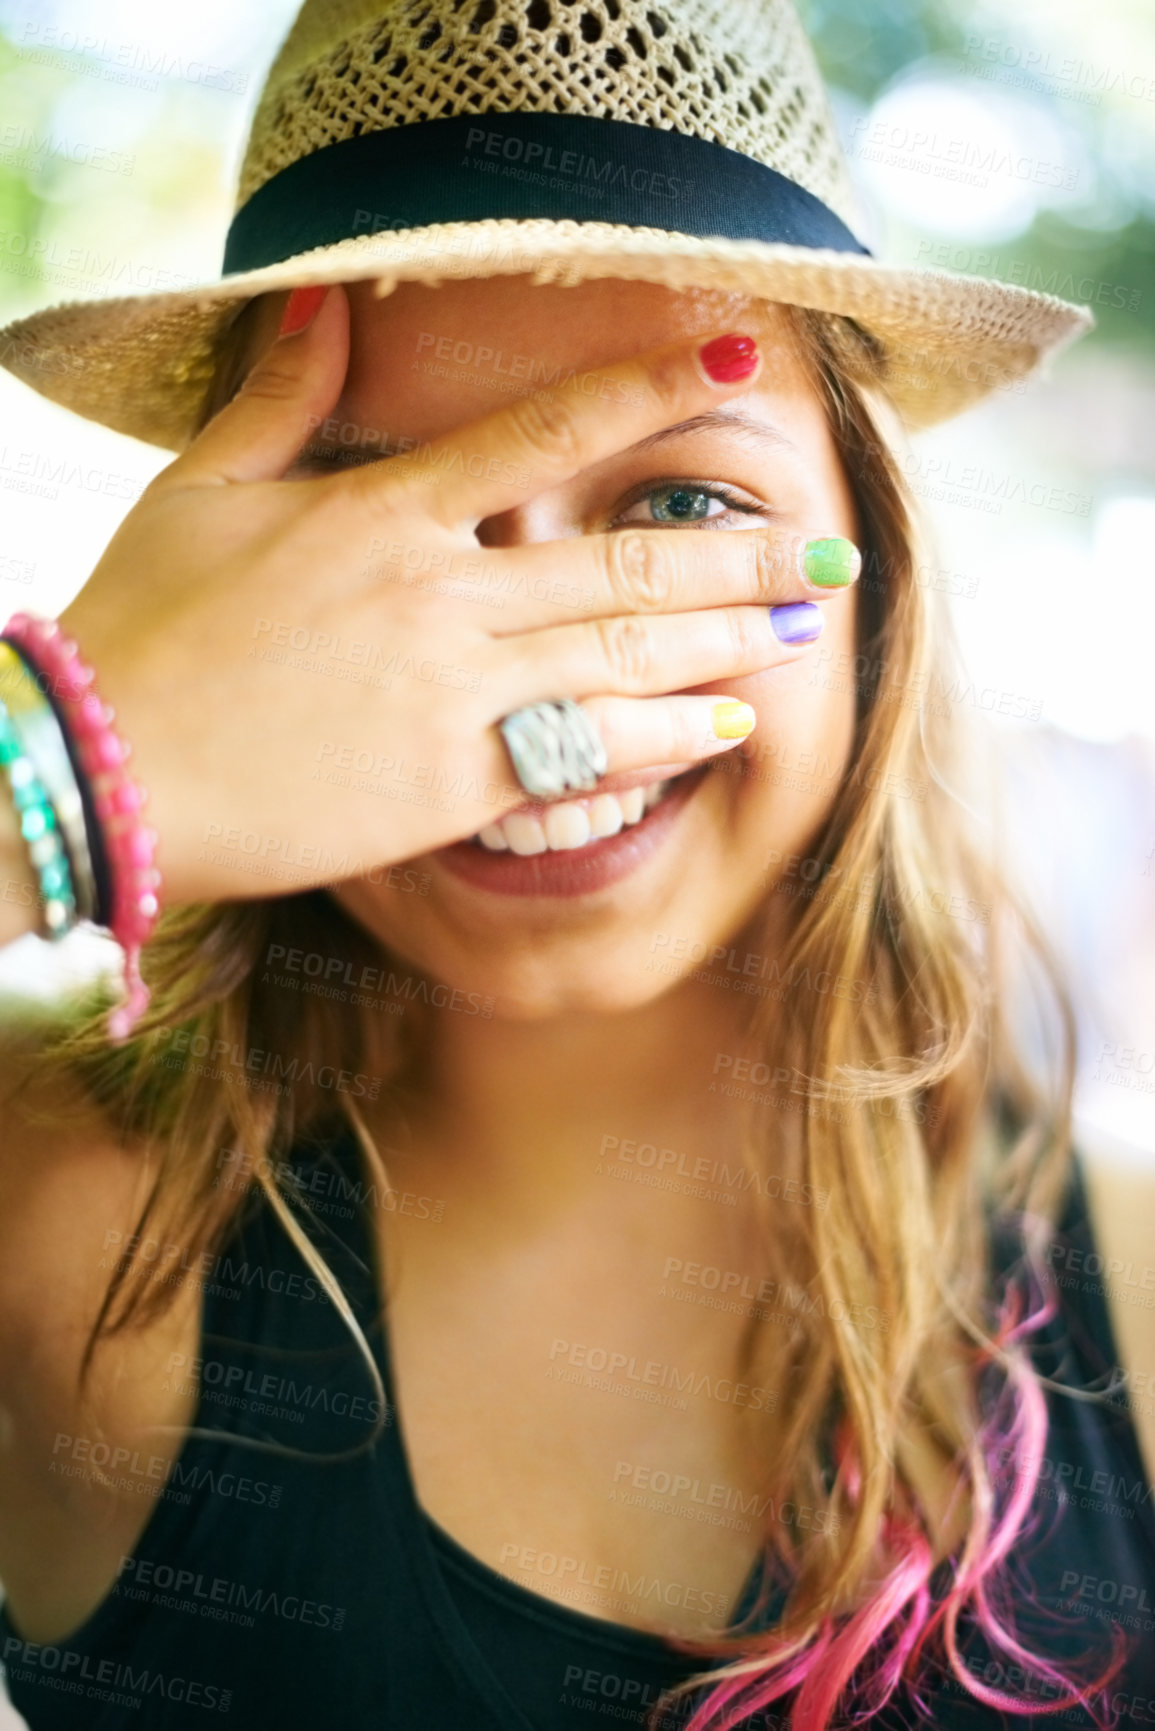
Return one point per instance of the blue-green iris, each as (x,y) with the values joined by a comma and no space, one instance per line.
(679,504)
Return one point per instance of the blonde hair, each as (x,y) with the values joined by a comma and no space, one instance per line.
(914,1118)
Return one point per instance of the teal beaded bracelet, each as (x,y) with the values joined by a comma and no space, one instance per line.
(38,827)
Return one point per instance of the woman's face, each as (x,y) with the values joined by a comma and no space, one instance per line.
(424,360)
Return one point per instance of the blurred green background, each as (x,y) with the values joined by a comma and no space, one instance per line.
(1066,82)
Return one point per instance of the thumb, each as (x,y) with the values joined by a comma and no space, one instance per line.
(290,389)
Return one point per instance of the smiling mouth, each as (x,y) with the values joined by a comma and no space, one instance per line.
(573,825)
(554,850)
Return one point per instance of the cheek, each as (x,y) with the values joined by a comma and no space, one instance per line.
(788,773)
(808,708)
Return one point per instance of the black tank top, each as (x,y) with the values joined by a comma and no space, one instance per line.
(300,1595)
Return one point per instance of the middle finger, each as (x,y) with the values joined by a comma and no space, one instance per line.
(667,571)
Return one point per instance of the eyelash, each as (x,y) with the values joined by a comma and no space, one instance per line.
(713,491)
(321,462)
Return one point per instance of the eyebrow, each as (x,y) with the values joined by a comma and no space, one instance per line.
(720,420)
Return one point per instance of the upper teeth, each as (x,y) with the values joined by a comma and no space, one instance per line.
(570,823)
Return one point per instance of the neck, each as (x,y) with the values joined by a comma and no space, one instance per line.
(536,1105)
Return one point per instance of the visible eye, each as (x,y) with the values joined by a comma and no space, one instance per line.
(677,502)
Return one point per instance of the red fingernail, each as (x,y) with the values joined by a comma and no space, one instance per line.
(728,359)
(304,304)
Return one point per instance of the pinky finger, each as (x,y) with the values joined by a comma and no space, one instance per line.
(667,733)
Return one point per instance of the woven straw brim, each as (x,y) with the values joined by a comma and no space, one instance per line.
(142,364)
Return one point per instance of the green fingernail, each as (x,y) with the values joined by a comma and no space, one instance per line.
(831,563)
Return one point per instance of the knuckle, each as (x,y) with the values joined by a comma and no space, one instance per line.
(627,649)
(767,565)
(612,721)
(747,627)
(685,731)
(272,381)
(665,377)
(548,426)
(638,569)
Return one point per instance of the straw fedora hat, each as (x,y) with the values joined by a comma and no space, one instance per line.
(682,142)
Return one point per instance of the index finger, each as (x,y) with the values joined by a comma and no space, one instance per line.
(550,436)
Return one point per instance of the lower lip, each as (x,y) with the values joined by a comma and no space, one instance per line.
(579,871)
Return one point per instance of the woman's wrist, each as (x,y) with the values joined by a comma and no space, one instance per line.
(77,808)
(19,886)
(40,764)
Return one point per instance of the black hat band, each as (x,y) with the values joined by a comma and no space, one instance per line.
(476,167)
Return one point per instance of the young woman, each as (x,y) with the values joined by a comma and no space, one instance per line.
(544,1257)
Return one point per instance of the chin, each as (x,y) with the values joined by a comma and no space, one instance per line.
(546,977)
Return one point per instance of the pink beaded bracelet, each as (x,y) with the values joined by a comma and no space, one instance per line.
(117,798)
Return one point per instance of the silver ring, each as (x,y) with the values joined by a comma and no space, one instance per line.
(555,747)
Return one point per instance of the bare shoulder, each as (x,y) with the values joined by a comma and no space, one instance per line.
(70,1195)
(65,1182)
(1121,1200)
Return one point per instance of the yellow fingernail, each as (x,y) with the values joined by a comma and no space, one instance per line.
(733,720)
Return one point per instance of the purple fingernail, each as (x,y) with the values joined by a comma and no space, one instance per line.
(797,622)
